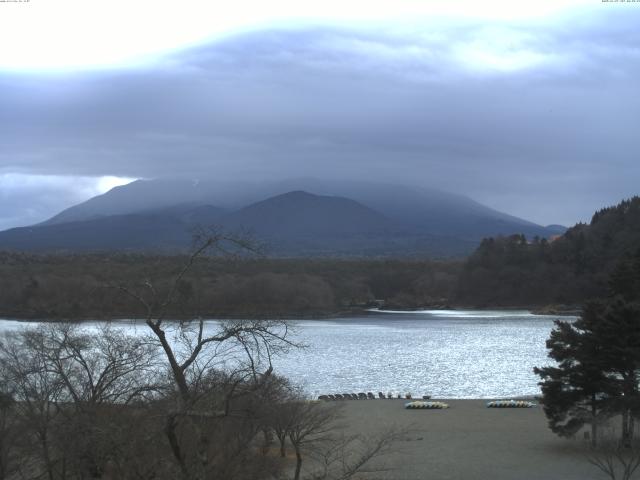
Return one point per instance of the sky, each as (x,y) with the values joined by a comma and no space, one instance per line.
(531,108)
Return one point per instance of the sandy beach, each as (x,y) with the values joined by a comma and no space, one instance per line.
(470,441)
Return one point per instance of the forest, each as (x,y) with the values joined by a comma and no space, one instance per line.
(569,269)
(87,286)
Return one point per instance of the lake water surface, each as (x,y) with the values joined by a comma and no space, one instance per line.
(454,354)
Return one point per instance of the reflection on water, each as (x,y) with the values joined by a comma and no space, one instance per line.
(444,353)
(460,354)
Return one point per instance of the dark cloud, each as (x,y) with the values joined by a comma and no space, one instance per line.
(538,120)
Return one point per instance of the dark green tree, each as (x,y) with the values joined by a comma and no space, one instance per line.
(576,390)
(617,328)
(598,369)
(625,278)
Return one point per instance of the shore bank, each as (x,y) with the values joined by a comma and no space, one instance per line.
(42,317)
(469,441)
(338,314)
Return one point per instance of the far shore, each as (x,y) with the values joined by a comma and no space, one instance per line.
(561,310)
(469,441)
(359,311)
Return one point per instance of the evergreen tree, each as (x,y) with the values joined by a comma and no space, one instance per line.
(576,390)
(598,369)
(617,328)
(625,278)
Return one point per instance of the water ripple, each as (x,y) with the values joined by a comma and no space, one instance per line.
(465,354)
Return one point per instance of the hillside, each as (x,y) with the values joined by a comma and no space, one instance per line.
(292,224)
(315,218)
(574,267)
(300,213)
(431,210)
(141,232)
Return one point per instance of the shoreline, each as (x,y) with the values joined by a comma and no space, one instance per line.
(360,311)
(533,309)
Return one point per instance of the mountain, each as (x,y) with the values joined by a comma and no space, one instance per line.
(303,224)
(321,218)
(428,210)
(136,197)
(151,231)
(300,213)
(295,223)
(432,211)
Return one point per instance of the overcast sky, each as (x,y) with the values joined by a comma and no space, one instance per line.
(530,108)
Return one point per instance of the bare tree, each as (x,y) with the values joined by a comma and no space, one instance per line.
(37,391)
(315,431)
(349,455)
(240,351)
(70,388)
(618,460)
(309,425)
(259,340)
(7,434)
(106,366)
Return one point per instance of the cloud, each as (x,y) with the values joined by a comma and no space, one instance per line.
(29,199)
(536,118)
(80,34)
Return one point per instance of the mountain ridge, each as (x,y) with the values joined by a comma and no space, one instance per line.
(374,219)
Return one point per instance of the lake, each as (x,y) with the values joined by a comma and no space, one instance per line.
(443,353)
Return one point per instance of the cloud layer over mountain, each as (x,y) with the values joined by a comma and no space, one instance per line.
(536,118)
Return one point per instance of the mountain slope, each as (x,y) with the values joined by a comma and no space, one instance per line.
(328,218)
(156,232)
(430,211)
(136,197)
(301,214)
(302,224)
(293,224)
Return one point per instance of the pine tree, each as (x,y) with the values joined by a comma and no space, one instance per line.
(625,278)
(598,369)
(618,331)
(576,391)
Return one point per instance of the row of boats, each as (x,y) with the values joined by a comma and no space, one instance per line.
(511,404)
(366,396)
(419,405)
(424,403)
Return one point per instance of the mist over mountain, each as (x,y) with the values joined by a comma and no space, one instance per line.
(439,211)
(293,217)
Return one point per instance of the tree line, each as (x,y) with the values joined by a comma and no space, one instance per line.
(80,286)
(570,269)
